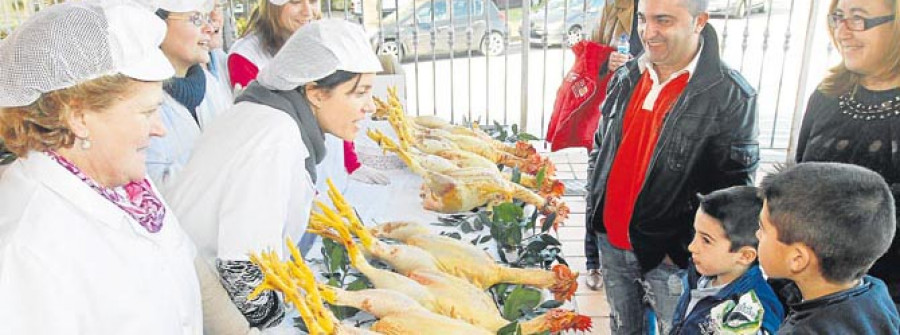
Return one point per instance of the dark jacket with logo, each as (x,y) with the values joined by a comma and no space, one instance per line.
(708,141)
(864,309)
(751,280)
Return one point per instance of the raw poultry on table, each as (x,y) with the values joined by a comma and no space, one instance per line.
(416,131)
(290,278)
(440,292)
(397,313)
(462,182)
(440,158)
(423,250)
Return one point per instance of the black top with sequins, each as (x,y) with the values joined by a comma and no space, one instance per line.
(862,129)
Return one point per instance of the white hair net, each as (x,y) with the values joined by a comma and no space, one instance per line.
(186,6)
(318,50)
(70,43)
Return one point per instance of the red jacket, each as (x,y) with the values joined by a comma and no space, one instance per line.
(576,112)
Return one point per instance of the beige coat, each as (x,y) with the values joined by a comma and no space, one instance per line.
(617,19)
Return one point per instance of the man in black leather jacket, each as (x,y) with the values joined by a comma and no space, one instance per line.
(707,140)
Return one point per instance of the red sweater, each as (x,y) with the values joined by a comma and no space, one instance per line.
(640,132)
(242,71)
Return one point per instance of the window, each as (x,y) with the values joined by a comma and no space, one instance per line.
(440,11)
(461,8)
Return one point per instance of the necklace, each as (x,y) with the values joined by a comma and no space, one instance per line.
(879,111)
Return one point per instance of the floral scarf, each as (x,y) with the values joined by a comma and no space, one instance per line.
(138,199)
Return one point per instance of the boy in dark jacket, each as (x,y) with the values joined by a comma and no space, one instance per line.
(726,292)
(822,226)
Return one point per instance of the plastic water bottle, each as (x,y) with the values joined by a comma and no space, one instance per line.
(623,47)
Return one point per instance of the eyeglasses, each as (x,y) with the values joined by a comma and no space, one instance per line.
(197,19)
(857,23)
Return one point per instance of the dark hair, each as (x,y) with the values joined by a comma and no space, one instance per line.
(844,213)
(330,82)
(337,78)
(163,14)
(738,209)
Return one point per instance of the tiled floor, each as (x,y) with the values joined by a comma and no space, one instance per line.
(572,164)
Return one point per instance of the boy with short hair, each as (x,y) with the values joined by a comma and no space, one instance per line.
(822,226)
(726,292)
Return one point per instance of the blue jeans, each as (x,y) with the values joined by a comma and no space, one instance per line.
(590,250)
(630,294)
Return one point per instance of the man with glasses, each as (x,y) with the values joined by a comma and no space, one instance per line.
(676,122)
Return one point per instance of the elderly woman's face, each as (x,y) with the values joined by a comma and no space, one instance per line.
(863,51)
(187,40)
(297,13)
(340,110)
(121,134)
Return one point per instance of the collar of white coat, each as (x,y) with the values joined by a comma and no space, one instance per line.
(45,171)
(644,64)
(250,47)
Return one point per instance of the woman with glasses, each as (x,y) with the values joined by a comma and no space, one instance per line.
(184,111)
(854,115)
(218,88)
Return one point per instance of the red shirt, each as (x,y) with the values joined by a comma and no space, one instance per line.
(241,70)
(640,132)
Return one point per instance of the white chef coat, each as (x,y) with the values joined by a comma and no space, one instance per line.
(245,188)
(332,166)
(167,155)
(72,262)
(218,90)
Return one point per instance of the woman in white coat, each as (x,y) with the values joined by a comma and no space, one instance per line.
(191,100)
(87,246)
(251,180)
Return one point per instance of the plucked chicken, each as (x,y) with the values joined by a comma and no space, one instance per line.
(450,256)
(467,261)
(454,188)
(397,313)
(394,107)
(409,132)
(290,278)
(440,292)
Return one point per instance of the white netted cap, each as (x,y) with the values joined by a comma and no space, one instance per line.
(278,2)
(70,43)
(317,50)
(186,6)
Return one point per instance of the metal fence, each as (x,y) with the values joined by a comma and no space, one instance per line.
(477,60)
(780,46)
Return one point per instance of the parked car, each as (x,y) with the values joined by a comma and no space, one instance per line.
(565,25)
(735,8)
(389,7)
(485,40)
